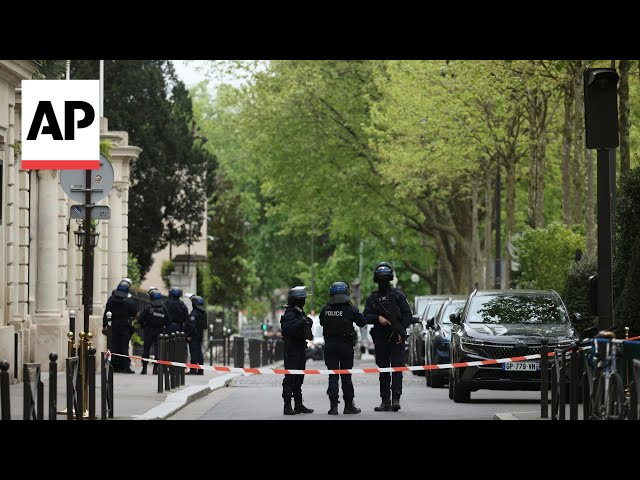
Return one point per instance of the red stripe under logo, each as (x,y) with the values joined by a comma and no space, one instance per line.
(60,165)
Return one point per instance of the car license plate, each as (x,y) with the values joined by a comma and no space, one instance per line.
(521,366)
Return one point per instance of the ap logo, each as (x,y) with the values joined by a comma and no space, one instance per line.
(60,124)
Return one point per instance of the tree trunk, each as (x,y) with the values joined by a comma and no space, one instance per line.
(567,133)
(537,117)
(488,219)
(510,167)
(591,227)
(624,116)
(578,147)
(475,235)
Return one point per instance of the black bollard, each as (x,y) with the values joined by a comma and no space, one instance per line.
(33,392)
(574,380)
(91,367)
(160,369)
(238,352)
(183,346)
(254,353)
(172,357)
(554,390)
(53,386)
(562,386)
(167,368)
(264,358)
(544,378)
(5,403)
(103,386)
(72,392)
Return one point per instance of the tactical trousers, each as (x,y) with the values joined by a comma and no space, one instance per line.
(150,338)
(389,355)
(195,349)
(120,344)
(338,354)
(294,359)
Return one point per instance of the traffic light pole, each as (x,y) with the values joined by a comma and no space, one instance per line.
(605,232)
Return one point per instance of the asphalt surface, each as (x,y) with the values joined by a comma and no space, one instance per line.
(259,397)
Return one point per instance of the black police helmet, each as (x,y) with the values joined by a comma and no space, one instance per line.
(297,296)
(156,297)
(122,290)
(175,292)
(339,292)
(383,272)
(198,302)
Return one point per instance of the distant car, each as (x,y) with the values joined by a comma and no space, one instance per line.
(417,331)
(502,324)
(437,340)
(315,347)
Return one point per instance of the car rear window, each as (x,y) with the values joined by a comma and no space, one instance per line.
(517,308)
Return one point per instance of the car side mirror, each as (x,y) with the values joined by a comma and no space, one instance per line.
(455,318)
(431,323)
(416,319)
(576,318)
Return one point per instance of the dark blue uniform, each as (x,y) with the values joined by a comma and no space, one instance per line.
(195,327)
(123,311)
(179,314)
(296,330)
(387,353)
(154,319)
(337,323)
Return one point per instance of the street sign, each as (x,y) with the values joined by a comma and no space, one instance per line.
(99,212)
(73,182)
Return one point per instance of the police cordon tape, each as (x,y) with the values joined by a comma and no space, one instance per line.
(282,371)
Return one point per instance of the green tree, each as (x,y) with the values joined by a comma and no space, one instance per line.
(627,305)
(545,256)
(576,294)
(627,228)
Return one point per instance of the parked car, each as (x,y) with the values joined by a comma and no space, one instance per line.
(418,331)
(437,340)
(501,324)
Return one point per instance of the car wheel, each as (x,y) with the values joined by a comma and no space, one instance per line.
(427,376)
(461,394)
(451,384)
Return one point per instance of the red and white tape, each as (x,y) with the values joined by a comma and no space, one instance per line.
(282,371)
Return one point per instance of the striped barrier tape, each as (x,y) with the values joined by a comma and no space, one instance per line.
(282,371)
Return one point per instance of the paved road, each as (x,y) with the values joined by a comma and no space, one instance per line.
(258,397)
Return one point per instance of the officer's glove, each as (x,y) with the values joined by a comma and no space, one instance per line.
(105,331)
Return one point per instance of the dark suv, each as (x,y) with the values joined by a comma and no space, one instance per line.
(501,324)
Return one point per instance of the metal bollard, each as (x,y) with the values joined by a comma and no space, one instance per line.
(53,386)
(211,344)
(167,368)
(72,389)
(254,353)
(238,352)
(586,394)
(574,379)
(91,366)
(106,379)
(554,390)
(5,403)
(33,395)
(172,357)
(562,386)
(183,370)
(160,369)
(544,378)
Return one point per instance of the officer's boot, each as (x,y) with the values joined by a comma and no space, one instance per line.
(199,372)
(385,406)
(334,407)
(350,407)
(395,402)
(300,408)
(287,407)
(155,368)
(144,368)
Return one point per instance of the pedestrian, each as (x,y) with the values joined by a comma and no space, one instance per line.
(153,319)
(178,311)
(389,347)
(337,318)
(123,311)
(296,330)
(196,324)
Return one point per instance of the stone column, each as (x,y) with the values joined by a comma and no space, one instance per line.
(51,330)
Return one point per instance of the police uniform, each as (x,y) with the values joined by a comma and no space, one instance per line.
(296,330)
(123,311)
(387,353)
(337,327)
(154,319)
(195,327)
(179,314)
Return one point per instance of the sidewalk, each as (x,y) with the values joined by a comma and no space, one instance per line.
(535,414)
(136,396)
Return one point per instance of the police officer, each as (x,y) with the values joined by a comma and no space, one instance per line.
(196,324)
(154,319)
(337,318)
(389,348)
(178,311)
(296,330)
(123,310)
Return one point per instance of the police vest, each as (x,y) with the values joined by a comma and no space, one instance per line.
(157,317)
(337,320)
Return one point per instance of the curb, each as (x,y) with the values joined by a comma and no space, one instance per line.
(505,416)
(178,400)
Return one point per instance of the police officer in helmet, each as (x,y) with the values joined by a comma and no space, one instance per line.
(389,348)
(123,310)
(196,324)
(154,319)
(296,330)
(178,311)
(337,318)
